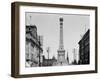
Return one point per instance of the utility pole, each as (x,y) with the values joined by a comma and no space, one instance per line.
(85,29)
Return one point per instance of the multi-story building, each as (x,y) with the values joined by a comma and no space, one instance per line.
(33,46)
(84,48)
(49,62)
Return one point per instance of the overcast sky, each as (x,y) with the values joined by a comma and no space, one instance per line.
(48,26)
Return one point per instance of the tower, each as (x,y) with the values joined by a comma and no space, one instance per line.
(61,51)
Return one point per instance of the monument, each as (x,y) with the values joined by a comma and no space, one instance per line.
(61,51)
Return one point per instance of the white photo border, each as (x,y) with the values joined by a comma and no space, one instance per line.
(40,70)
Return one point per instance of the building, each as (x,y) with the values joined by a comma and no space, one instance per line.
(67,58)
(49,62)
(74,62)
(84,48)
(33,47)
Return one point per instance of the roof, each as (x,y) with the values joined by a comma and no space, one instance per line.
(87,33)
(32,26)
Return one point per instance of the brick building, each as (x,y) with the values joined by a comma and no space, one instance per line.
(84,48)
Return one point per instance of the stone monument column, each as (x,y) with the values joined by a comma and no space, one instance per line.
(61,51)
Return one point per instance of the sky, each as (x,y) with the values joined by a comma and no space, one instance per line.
(48,25)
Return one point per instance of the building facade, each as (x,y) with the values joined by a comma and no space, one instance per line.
(84,48)
(49,62)
(33,47)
